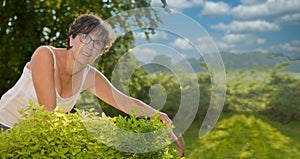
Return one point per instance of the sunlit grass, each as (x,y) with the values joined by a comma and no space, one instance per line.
(290,131)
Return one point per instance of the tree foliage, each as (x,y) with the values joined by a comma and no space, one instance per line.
(24,25)
(283,89)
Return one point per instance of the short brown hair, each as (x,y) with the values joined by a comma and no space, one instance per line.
(86,23)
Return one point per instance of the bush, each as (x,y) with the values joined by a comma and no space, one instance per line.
(270,93)
(283,100)
(246,91)
(245,136)
(58,135)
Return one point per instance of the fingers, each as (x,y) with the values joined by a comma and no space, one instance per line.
(173,136)
(179,143)
(180,146)
(164,117)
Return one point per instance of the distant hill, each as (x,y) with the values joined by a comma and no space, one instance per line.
(244,61)
(247,61)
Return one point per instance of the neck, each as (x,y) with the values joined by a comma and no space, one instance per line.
(71,65)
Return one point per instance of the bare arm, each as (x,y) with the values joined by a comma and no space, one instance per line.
(42,68)
(104,90)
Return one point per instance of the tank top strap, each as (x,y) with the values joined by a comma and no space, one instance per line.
(84,74)
(53,55)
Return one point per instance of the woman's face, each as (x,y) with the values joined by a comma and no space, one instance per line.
(87,47)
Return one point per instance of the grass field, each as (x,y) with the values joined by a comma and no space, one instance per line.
(291,130)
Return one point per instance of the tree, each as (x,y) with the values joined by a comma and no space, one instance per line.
(24,25)
(162,63)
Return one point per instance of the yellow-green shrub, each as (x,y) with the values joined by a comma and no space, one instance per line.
(58,135)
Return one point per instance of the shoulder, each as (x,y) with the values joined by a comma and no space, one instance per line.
(42,55)
(94,72)
(41,50)
(44,49)
(95,76)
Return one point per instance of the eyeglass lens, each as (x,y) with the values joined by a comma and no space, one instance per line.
(86,39)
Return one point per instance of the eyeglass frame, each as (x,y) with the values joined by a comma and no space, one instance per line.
(91,40)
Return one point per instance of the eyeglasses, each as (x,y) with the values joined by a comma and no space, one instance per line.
(86,39)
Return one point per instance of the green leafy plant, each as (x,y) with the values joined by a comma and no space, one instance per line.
(283,102)
(270,92)
(43,134)
(246,91)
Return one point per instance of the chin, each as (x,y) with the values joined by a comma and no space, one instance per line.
(82,62)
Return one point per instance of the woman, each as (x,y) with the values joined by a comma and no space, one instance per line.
(55,76)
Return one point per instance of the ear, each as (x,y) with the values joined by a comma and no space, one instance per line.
(106,49)
(71,41)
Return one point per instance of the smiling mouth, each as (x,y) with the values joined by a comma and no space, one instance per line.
(86,54)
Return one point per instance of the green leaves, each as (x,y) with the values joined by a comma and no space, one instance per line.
(283,99)
(25,25)
(269,92)
(79,135)
(141,137)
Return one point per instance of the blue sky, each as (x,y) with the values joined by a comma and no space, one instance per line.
(239,26)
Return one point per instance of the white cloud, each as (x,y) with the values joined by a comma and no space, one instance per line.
(144,54)
(235,38)
(206,45)
(192,47)
(287,48)
(238,43)
(252,2)
(254,15)
(182,44)
(260,41)
(247,26)
(270,8)
(223,46)
(178,4)
(215,8)
(289,19)
(158,35)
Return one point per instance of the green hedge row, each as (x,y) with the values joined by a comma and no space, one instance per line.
(269,92)
(84,134)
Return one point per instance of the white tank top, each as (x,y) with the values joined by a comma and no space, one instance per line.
(18,96)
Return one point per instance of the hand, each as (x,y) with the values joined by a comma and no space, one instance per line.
(179,144)
(179,141)
(164,117)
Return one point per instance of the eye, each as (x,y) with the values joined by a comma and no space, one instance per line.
(85,36)
(98,44)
